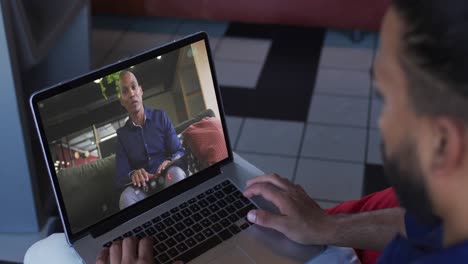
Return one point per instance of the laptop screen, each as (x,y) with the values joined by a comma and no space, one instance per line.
(126,136)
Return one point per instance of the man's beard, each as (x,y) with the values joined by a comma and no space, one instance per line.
(404,173)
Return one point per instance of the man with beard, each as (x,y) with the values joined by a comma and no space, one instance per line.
(421,74)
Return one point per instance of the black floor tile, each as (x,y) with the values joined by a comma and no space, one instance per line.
(246,30)
(286,84)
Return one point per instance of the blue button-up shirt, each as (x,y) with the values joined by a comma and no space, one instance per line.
(145,147)
(423,245)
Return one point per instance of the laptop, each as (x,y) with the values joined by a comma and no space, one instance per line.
(199,217)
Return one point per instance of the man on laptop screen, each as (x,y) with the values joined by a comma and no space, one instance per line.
(147,145)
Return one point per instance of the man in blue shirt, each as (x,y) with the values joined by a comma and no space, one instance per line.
(421,74)
(147,146)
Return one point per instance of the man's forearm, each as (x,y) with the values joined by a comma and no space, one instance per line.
(369,230)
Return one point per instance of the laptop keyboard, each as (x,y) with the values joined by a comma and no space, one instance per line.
(197,225)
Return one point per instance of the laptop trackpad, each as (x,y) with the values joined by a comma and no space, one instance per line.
(233,255)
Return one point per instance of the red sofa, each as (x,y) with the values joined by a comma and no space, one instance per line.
(345,14)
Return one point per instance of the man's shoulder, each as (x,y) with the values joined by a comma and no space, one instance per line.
(155,114)
(154,111)
(123,129)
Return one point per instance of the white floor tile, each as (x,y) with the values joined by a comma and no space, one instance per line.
(283,166)
(238,74)
(330,180)
(339,110)
(347,58)
(374,155)
(243,49)
(343,82)
(334,142)
(270,137)
(233,125)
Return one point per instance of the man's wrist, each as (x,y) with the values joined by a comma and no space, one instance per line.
(371,230)
(332,225)
(324,232)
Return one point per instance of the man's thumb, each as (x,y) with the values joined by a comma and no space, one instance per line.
(265,219)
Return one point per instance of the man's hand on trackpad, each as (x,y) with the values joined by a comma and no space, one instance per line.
(301,219)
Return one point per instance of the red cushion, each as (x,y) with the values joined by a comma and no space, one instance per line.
(375,201)
(206,141)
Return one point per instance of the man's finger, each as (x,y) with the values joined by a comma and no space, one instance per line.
(134,179)
(146,175)
(129,250)
(159,169)
(267,219)
(145,249)
(137,178)
(103,256)
(166,164)
(142,180)
(268,191)
(163,165)
(116,252)
(143,176)
(274,179)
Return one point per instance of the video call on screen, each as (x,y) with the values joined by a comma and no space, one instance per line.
(97,149)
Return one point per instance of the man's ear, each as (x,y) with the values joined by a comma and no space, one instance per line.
(449,145)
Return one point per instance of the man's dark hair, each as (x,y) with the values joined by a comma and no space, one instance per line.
(435,55)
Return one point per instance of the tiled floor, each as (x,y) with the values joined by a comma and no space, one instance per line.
(270,137)
(308,111)
(330,180)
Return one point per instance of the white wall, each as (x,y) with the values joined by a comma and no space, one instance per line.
(204,74)
(164,102)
